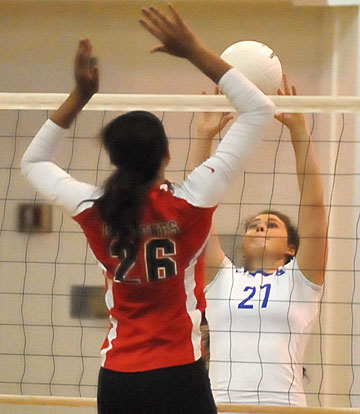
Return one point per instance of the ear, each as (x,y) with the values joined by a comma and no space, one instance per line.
(291,250)
(166,160)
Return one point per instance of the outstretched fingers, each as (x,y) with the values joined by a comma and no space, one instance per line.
(86,71)
(161,17)
(176,15)
(155,24)
(82,59)
(176,37)
(286,85)
(156,33)
(289,91)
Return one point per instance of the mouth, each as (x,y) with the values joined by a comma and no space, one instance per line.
(260,239)
(258,236)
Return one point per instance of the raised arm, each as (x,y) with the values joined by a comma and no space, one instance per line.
(312,225)
(86,85)
(36,165)
(208,126)
(208,184)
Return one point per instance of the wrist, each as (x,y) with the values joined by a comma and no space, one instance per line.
(206,133)
(194,49)
(81,97)
(298,130)
(70,108)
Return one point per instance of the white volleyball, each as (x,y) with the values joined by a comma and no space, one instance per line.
(257,62)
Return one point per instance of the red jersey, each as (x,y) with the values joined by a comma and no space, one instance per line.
(155,301)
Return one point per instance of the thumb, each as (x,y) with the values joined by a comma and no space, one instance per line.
(95,76)
(279,116)
(225,120)
(95,72)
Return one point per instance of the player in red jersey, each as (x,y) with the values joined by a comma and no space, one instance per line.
(147,234)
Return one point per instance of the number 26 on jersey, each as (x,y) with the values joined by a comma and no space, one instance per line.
(158,258)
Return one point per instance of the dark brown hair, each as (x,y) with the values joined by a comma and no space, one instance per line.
(137,144)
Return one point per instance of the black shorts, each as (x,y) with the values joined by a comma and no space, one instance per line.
(183,389)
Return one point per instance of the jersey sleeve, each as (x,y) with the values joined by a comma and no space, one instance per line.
(55,184)
(303,285)
(208,184)
(223,269)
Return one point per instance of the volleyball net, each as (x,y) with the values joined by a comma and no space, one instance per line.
(52,313)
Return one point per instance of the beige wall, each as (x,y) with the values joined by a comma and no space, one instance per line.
(37,44)
(39,39)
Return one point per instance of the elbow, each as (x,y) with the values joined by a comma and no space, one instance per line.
(315,200)
(269,109)
(264,114)
(265,106)
(25,165)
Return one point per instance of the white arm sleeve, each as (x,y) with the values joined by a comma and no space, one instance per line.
(51,181)
(208,184)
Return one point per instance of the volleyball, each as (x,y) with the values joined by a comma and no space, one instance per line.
(257,62)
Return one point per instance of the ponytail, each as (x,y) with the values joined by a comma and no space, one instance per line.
(137,144)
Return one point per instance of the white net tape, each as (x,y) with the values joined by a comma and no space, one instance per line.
(178,103)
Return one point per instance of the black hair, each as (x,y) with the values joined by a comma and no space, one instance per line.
(137,144)
(293,238)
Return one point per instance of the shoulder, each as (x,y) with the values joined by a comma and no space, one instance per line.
(180,195)
(292,269)
(88,214)
(224,274)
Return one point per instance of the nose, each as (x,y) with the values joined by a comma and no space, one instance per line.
(260,228)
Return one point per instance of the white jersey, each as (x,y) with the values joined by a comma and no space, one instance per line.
(259,327)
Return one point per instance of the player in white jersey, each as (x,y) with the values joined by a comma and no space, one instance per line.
(148,235)
(260,315)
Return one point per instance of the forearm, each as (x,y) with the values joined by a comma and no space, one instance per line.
(50,180)
(200,150)
(312,216)
(208,62)
(307,167)
(208,126)
(36,165)
(67,112)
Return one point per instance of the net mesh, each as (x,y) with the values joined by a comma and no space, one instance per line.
(52,317)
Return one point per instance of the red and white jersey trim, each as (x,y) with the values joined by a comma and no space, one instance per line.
(110,337)
(191,302)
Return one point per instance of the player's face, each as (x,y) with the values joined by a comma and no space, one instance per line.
(267,234)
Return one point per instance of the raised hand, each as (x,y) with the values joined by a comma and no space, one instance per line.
(290,120)
(175,35)
(87,84)
(86,71)
(312,216)
(211,123)
(179,40)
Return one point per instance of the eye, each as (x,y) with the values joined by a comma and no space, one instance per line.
(272,225)
(251,226)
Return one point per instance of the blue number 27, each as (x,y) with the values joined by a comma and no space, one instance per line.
(243,304)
